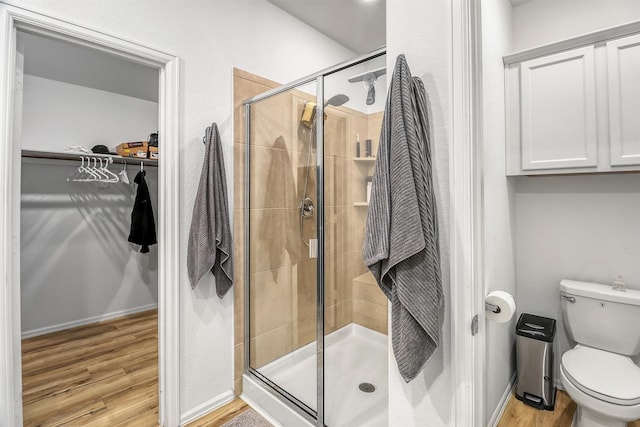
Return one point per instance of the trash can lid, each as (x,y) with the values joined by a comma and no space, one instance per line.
(536,327)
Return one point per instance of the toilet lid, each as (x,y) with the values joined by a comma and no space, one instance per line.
(607,376)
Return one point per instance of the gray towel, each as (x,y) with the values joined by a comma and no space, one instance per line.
(401,246)
(210,245)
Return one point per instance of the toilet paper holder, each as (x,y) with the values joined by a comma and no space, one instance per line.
(492,307)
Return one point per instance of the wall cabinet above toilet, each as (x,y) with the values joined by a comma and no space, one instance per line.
(574,106)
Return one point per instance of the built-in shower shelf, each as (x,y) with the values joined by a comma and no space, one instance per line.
(361,204)
(364,159)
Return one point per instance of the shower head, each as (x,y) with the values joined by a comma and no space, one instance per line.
(337,100)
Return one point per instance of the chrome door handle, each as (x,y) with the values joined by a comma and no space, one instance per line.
(568,298)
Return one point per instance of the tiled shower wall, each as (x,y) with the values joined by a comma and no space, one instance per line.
(283,277)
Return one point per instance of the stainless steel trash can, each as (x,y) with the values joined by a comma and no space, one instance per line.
(534,359)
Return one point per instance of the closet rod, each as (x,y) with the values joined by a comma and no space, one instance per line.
(34,154)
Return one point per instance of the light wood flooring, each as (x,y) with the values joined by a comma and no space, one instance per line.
(104,374)
(517,414)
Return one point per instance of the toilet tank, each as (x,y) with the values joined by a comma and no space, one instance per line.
(598,316)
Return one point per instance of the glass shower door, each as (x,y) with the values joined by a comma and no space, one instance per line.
(282,226)
(355,309)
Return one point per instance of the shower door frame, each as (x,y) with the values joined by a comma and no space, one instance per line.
(278,392)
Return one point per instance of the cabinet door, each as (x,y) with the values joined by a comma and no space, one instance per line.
(623,57)
(558,111)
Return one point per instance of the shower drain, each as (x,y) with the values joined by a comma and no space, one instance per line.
(367,387)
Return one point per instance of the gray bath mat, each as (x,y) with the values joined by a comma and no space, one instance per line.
(248,418)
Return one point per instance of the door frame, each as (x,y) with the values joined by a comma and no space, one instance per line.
(467,215)
(14,18)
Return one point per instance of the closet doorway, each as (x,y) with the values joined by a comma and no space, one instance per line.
(87,312)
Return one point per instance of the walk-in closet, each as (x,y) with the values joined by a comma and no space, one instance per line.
(88,295)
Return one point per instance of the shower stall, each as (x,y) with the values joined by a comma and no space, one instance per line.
(315,321)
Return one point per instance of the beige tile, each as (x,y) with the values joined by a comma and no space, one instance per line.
(269,346)
(243,89)
(366,277)
(345,313)
(338,230)
(238,361)
(359,172)
(337,176)
(336,134)
(359,222)
(273,184)
(295,250)
(238,309)
(271,120)
(374,127)
(367,292)
(337,316)
(378,324)
(266,238)
(270,300)
(338,279)
(304,290)
(357,263)
(238,242)
(239,160)
(370,315)
(372,309)
(304,332)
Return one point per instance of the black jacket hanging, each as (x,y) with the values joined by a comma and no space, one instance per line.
(143,226)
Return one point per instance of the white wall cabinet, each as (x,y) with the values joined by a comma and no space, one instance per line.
(575,109)
(623,69)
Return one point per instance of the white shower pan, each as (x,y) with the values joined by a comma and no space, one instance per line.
(353,355)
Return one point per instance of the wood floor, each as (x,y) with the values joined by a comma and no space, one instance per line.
(104,374)
(517,414)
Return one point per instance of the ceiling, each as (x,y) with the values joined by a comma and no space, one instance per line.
(360,25)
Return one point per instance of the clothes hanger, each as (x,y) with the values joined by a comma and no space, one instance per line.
(98,170)
(86,175)
(124,177)
(112,177)
(76,174)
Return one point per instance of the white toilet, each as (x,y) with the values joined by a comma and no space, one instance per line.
(598,372)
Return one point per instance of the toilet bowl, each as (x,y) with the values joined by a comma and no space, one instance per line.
(604,385)
(598,373)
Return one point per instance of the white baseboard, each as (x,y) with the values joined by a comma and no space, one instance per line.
(502,404)
(205,407)
(87,321)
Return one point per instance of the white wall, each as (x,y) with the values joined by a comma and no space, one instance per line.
(539,22)
(75,262)
(499,218)
(210,38)
(57,115)
(421,29)
(576,227)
